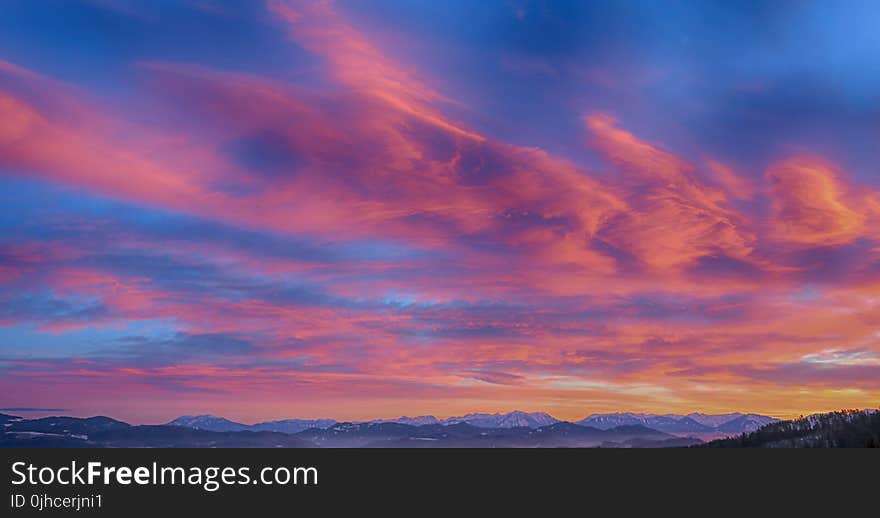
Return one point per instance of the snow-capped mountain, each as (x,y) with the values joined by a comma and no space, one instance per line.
(512,420)
(292,425)
(713,420)
(668,423)
(734,422)
(696,423)
(746,423)
(221,424)
(210,423)
(414,421)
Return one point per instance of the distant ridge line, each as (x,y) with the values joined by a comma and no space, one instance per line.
(695,423)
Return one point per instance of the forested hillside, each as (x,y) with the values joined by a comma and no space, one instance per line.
(843,429)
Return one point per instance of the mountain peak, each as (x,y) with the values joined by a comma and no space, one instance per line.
(418,420)
(221,424)
(514,419)
(208,422)
(694,422)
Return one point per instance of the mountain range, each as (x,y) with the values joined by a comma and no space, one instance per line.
(220,424)
(71,432)
(692,424)
(847,428)
(512,430)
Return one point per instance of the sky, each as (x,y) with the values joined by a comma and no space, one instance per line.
(300,208)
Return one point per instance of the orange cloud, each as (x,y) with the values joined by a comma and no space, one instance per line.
(811,205)
(675,220)
(357,63)
(642,160)
(733,183)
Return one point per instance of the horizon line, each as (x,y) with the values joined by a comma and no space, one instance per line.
(249,422)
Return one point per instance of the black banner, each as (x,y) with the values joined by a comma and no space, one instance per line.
(155,482)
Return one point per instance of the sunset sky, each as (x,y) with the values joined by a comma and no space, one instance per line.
(353,210)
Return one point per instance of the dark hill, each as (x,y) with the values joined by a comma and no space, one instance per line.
(844,429)
(67,425)
(162,436)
